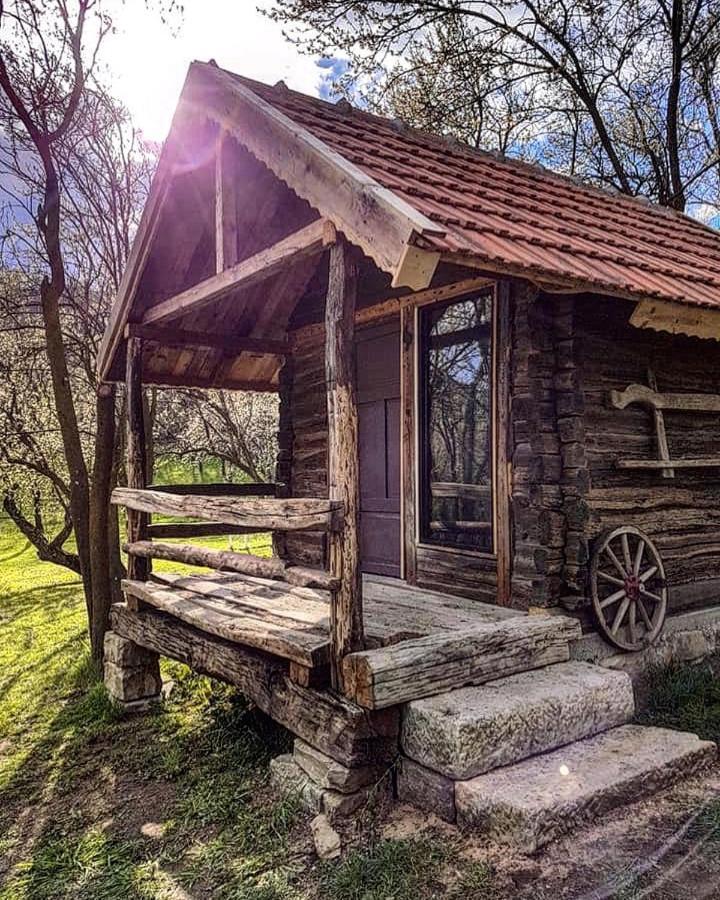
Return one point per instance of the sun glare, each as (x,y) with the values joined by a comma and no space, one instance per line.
(148,59)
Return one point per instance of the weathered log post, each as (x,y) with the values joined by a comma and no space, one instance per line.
(136,458)
(346,613)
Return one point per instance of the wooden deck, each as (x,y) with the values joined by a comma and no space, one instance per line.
(293,622)
(418,642)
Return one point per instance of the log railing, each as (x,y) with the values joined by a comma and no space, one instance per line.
(225,513)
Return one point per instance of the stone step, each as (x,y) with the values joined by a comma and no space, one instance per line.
(535,801)
(466,732)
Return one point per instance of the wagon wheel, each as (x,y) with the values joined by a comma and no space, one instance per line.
(628,588)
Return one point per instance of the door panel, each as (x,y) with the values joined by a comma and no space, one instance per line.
(378,379)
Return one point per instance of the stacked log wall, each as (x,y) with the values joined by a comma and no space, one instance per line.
(537,515)
(302,458)
(681,514)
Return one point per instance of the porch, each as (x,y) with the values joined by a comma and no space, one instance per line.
(416,642)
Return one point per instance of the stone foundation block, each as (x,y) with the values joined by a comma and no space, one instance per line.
(470,731)
(426,789)
(331,775)
(533,802)
(128,684)
(289,779)
(691,646)
(126,653)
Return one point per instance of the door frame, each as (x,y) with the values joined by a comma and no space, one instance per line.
(366,332)
(501,558)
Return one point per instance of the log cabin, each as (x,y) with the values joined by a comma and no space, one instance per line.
(499,395)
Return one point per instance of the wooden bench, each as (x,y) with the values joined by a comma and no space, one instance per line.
(264,603)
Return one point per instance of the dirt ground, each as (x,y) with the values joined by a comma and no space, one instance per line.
(660,849)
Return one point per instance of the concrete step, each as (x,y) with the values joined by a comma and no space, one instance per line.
(466,732)
(534,801)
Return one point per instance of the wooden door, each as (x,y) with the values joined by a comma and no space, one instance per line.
(378,383)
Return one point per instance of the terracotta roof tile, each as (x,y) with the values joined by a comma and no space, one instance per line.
(518,217)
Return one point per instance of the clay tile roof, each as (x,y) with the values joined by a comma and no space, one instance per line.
(517,217)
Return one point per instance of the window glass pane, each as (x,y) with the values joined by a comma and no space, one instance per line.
(456,370)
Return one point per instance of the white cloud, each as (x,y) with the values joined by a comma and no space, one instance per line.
(148,59)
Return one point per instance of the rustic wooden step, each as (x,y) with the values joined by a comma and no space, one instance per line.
(441,662)
(533,802)
(472,730)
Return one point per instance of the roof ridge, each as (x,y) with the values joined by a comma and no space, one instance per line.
(343,107)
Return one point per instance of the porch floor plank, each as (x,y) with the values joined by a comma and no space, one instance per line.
(293,622)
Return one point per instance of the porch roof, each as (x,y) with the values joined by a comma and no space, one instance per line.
(518,218)
(409,200)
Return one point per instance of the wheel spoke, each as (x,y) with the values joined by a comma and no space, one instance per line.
(611,578)
(648,574)
(627,587)
(616,562)
(626,551)
(638,556)
(644,614)
(620,615)
(632,623)
(613,598)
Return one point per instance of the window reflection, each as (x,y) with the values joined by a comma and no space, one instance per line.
(456,370)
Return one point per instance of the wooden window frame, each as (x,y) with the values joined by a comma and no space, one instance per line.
(420,413)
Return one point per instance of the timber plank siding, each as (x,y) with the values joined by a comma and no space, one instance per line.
(566,354)
(682,514)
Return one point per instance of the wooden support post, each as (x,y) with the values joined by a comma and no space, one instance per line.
(136,460)
(503,465)
(226,235)
(346,613)
(659,418)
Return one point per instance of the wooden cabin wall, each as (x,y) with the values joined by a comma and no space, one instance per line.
(537,519)
(302,456)
(682,514)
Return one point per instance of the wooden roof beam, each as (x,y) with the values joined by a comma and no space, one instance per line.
(178,337)
(677,318)
(384,225)
(263,265)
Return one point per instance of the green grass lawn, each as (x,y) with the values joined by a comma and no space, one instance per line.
(174,804)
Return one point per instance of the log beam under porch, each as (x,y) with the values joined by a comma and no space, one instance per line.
(341,729)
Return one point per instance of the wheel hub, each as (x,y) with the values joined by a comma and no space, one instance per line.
(633,587)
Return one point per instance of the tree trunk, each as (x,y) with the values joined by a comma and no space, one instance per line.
(50,293)
(677,197)
(100,512)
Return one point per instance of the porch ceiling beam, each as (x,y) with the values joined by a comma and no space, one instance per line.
(263,265)
(677,318)
(179,337)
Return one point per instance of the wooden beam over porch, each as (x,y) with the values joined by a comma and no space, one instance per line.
(263,265)
(179,337)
